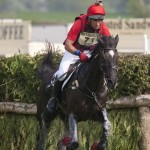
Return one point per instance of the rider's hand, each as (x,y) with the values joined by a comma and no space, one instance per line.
(77,52)
(83,56)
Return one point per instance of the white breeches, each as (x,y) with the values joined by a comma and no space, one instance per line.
(68,59)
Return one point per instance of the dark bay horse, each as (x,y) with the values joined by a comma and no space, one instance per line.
(83,97)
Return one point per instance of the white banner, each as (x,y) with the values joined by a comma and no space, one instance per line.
(14,36)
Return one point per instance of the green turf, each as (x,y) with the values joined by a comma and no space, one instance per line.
(52,17)
(62,17)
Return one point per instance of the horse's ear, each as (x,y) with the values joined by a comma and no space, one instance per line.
(100,39)
(117,39)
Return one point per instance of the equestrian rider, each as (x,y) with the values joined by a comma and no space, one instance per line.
(80,41)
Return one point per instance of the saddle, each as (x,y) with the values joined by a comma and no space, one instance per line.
(80,75)
(79,70)
(74,75)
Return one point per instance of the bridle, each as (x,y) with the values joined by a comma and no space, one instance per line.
(100,55)
(92,94)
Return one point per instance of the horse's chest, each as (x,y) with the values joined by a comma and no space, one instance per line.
(84,109)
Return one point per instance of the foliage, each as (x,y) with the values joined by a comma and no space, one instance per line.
(125,129)
(19,79)
(54,10)
(44,17)
(19,82)
(133,76)
(138,8)
(20,131)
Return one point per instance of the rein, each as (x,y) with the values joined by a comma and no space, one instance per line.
(94,96)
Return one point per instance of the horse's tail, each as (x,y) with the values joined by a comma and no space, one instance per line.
(45,70)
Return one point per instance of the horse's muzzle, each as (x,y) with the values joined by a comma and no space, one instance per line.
(111,84)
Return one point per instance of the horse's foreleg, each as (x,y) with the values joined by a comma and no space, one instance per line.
(106,127)
(41,137)
(73,131)
(46,119)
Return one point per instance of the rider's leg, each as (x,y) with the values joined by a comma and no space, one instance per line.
(50,110)
(53,102)
(67,59)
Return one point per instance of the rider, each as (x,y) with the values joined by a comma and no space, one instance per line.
(80,41)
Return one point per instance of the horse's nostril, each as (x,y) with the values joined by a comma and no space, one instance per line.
(111,84)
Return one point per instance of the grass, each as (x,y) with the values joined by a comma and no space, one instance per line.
(48,17)
(53,17)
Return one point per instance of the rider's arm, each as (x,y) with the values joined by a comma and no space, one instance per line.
(69,46)
(72,36)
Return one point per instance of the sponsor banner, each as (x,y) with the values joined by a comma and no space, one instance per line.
(128,26)
(14,36)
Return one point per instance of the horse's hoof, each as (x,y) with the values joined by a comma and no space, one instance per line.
(75,145)
(101,146)
(72,146)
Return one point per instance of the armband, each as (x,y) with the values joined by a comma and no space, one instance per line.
(77,52)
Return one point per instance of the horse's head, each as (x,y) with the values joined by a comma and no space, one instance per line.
(108,58)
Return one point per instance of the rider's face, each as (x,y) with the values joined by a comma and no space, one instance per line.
(95,23)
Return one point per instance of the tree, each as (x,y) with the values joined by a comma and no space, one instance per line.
(138,8)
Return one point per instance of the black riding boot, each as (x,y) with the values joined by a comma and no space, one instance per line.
(53,102)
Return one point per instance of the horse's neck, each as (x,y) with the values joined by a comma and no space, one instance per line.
(95,80)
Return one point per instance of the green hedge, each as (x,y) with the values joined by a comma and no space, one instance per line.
(18,132)
(19,83)
(19,80)
(133,76)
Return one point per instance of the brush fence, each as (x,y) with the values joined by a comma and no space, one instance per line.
(142,102)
